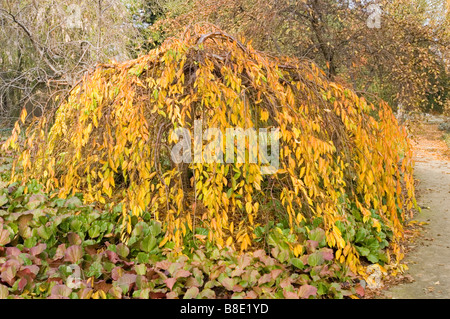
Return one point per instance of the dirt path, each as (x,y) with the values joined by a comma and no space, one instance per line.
(429,259)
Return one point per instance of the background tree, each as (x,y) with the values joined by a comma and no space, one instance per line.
(392,50)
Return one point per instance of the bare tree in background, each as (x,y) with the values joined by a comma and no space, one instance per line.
(46,46)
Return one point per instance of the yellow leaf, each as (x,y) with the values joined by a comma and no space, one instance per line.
(264,115)
(163,242)
(248,207)
(338,253)
(23,115)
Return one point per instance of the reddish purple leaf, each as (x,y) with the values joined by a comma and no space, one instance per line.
(290,295)
(8,274)
(304,259)
(51,272)
(285,282)
(13,262)
(74,239)
(275,273)
(360,290)
(265,279)
(12,251)
(228,283)
(36,250)
(174,267)
(259,253)
(237,272)
(216,271)
(251,295)
(116,273)
(182,274)
(267,260)
(74,254)
(83,293)
(170,282)
(244,261)
(60,292)
(4,237)
(238,288)
(91,250)
(35,201)
(112,256)
(327,253)
(37,261)
(192,282)
(127,263)
(31,270)
(325,271)
(60,252)
(164,265)
(307,291)
(22,283)
(55,279)
(311,245)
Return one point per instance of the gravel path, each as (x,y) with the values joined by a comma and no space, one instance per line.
(429,261)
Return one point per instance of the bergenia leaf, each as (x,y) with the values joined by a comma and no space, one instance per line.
(307,291)
(74,254)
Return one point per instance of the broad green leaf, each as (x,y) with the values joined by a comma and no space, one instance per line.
(148,243)
(297,263)
(317,235)
(122,250)
(362,251)
(315,259)
(3,200)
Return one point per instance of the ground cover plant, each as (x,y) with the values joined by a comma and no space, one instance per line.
(60,248)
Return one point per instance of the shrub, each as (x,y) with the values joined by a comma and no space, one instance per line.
(345,165)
